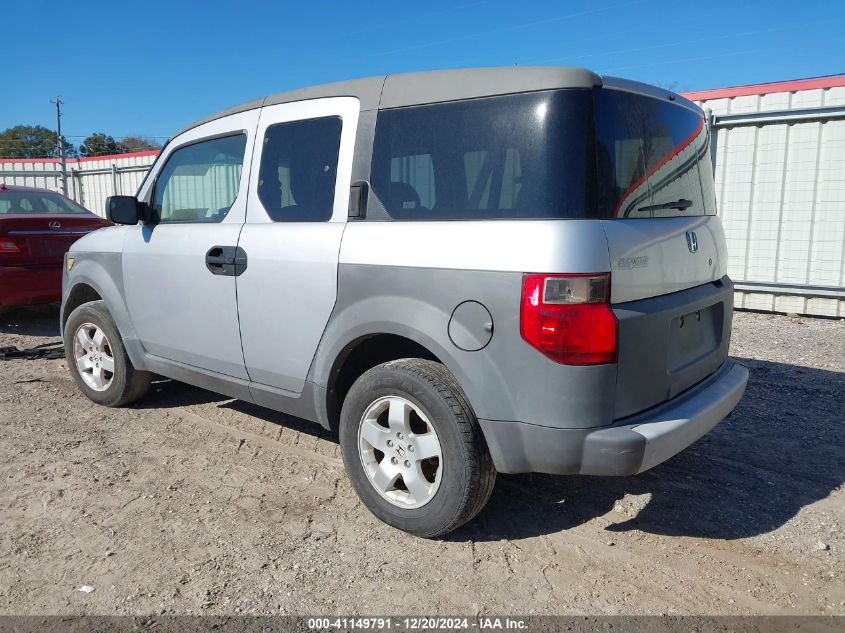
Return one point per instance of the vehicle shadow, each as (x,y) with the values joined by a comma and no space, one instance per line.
(165,393)
(41,320)
(168,394)
(782,449)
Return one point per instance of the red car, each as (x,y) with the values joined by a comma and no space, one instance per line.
(37,227)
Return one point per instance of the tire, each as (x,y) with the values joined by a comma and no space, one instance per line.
(457,484)
(115,388)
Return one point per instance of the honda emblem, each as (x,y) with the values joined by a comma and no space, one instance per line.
(692,242)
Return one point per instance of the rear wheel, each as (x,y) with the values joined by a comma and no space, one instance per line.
(413,448)
(97,359)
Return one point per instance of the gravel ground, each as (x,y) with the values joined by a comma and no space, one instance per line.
(188,502)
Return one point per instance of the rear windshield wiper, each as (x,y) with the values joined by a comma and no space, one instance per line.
(682,204)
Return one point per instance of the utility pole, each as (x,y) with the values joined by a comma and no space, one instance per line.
(60,142)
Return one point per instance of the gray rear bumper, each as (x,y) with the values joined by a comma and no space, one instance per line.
(630,446)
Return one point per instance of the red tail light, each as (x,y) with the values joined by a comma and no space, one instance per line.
(568,318)
(8,246)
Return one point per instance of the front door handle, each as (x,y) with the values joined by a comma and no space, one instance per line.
(226,260)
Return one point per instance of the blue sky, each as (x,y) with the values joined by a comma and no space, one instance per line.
(149,67)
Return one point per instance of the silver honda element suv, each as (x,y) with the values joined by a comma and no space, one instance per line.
(462,272)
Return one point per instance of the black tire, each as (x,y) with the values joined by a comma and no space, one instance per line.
(127,384)
(467,472)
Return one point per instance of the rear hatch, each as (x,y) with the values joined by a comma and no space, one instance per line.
(43,241)
(667,249)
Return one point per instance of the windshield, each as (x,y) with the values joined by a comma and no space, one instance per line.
(570,153)
(36,202)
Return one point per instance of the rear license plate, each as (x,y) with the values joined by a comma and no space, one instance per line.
(52,247)
(694,336)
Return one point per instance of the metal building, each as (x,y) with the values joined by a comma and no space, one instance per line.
(90,180)
(780,186)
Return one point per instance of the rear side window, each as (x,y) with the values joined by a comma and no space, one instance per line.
(36,202)
(653,158)
(199,182)
(299,170)
(515,156)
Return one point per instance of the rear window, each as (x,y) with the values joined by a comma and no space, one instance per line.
(514,156)
(653,158)
(575,153)
(36,202)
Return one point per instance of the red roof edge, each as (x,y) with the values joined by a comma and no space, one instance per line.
(831,81)
(84,159)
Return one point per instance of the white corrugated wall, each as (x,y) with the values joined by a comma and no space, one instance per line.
(780,189)
(89,182)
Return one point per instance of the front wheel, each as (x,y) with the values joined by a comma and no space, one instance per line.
(413,448)
(97,359)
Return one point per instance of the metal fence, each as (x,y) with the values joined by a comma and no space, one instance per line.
(780,182)
(89,180)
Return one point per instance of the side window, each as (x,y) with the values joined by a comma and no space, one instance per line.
(524,155)
(199,182)
(412,182)
(299,169)
(503,180)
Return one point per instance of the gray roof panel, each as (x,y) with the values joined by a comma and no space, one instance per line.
(629,85)
(451,85)
(406,89)
(243,107)
(367,90)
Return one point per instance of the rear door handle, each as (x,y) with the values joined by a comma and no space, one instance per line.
(226,260)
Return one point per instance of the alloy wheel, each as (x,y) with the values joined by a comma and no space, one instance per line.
(93,356)
(400,452)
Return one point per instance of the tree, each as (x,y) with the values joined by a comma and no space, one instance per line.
(137,144)
(99,144)
(31,141)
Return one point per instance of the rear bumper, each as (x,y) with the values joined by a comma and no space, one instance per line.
(630,446)
(21,285)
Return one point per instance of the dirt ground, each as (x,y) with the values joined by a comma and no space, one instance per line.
(188,502)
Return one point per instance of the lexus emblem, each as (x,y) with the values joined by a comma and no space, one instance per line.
(55,224)
(692,242)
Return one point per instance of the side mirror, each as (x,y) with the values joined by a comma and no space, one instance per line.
(124,209)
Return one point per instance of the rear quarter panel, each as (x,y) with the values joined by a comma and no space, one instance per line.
(407,278)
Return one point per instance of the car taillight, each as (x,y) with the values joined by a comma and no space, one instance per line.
(8,246)
(568,317)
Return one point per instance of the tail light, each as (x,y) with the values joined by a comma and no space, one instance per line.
(8,246)
(568,318)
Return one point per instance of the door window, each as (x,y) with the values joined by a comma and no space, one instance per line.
(199,182)
(299,170)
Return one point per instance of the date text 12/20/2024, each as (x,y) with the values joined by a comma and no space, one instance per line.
(416,624)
